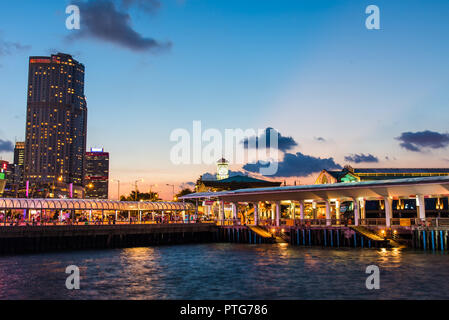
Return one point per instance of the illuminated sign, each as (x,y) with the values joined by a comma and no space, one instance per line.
(2,176)
(39,60)
(96,149)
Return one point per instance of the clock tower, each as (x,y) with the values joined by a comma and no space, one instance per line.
(222,169)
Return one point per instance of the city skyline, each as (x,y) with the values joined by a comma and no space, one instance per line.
(376,103)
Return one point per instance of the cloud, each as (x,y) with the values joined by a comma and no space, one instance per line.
(9,48)
(188,184)
(284,143)
(320,139)
(102,20)
(358,158)
(149,6)
(297,165)
(213,176)
(6,146)
(417,141)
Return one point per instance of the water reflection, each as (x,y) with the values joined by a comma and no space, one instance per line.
(227,271)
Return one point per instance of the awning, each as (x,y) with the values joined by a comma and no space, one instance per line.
(395,188)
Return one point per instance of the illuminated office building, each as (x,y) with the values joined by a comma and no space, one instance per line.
(97,174)
(19,164)
(55,143)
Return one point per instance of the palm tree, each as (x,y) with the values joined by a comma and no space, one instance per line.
(144,196)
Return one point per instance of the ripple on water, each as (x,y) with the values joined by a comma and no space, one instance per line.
(226,271)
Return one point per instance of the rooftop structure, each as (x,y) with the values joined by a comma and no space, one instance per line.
(90,204)
(349,174)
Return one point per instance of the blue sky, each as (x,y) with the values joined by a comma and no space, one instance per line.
(307,68)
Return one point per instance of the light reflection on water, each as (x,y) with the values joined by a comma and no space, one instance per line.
(226,271)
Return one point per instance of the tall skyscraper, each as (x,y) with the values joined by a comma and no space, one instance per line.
(19,153)
(19,164)
(97,174)
(56,125)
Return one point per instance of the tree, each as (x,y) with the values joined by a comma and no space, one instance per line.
(183,192)
(144,196)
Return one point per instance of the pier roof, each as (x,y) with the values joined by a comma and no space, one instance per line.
(395,188)
(90,204)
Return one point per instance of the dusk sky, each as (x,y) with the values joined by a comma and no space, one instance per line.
(310,69)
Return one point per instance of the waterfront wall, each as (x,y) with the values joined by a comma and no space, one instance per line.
(331,237)
(430,239)
(23,239)
(33,239)
(240,234)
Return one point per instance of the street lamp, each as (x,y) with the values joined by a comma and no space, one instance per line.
(52,194)
(173,192)
(152,185)
(135,184)
(118,188)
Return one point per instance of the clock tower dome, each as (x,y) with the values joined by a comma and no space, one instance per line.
(222,169)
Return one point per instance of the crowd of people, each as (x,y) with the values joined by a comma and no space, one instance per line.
(57,219)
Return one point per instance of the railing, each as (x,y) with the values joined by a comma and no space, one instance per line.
(373,222)
(431,222)
(407,222)
(403,222)
(227,222)
(9,222)
(394,222)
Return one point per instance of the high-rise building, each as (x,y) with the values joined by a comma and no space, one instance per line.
(56,126)
(97,174)
(19,164)
(7,182)
(19,153)
(3,175)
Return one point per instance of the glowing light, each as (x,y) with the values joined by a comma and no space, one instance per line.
(39,60)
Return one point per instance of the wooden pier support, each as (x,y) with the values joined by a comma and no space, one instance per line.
(332,237)
(433,239)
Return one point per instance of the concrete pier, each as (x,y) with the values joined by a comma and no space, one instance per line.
(333,237)
(241,234)
(22,239)
(433,239)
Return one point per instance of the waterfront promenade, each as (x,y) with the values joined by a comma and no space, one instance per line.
(47,224)
(28,237)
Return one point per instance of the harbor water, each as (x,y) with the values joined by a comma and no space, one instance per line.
(227,271)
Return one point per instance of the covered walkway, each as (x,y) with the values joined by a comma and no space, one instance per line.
(330,197)
(88,209)
(90,204)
